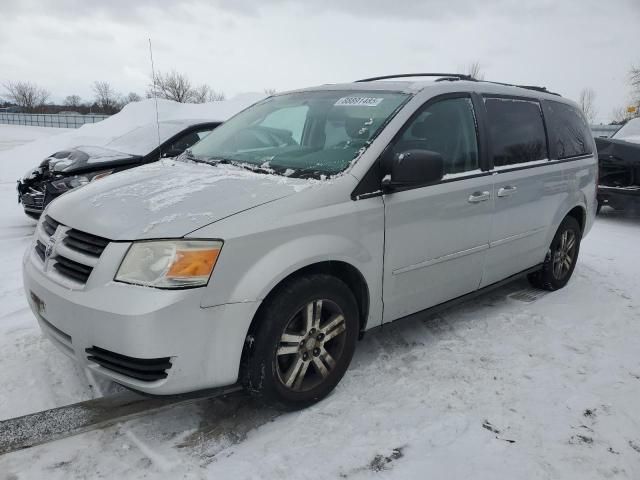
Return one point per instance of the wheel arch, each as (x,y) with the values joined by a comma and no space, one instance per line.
(580,214)
(575,209)
(342,270)
(337,268)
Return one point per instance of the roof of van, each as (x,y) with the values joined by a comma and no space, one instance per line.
(442,83)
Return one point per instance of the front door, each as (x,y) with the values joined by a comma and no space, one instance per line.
(436,236)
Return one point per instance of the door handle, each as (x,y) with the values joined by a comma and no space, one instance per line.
(477,197)
(507,191)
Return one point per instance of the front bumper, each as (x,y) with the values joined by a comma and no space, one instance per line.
(618,196)
(36,195)
(33,200)
(204,345)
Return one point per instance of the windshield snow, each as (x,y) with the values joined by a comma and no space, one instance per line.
(308,134)
(629,132)
(142,140)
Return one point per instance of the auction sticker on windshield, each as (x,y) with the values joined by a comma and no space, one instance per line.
(359,101)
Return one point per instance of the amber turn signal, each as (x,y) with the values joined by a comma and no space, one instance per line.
(193,263)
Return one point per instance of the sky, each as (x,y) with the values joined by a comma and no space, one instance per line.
(248,45)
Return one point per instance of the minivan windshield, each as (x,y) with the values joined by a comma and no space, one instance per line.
(306,134)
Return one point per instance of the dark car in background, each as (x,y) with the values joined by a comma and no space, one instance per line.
(619,162)
(68,169)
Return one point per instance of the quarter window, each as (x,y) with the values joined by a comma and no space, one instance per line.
(569,133)
(447,127)
(516,131)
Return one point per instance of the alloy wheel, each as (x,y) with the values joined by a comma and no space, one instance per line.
(311,344)
(564,254)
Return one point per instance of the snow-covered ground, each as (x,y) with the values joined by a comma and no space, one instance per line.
(15,135)
(512,385)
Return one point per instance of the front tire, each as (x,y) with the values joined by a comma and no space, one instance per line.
(561,258)
(303,343)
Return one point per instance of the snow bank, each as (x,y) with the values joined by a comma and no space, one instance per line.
(15,162)
(12,136)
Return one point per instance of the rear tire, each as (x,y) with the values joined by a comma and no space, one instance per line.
(561,258)
(303,343)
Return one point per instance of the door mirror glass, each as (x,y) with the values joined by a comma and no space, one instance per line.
(413,168)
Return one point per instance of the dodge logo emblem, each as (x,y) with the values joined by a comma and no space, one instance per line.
(49,248)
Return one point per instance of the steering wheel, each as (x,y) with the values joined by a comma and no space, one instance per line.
(275,141)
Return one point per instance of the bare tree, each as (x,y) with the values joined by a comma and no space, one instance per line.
(619,116)
(171,86)
(211,95)
(201,94)
(132,97)
(26,95)
(177,87)
(586,102)
(270,91)
(634,80)
(106,97)
(204,93)
(72,101)
(474,70)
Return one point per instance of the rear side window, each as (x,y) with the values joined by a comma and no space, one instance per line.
(516,130)
(568,131)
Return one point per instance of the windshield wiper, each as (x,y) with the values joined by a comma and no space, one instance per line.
(237,163)
(188,155)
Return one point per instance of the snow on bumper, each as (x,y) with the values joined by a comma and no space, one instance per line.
(204,344)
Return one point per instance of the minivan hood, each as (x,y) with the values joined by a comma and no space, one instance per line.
(167,199)
(86,158)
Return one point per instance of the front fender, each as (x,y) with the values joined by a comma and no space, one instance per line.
(289,257)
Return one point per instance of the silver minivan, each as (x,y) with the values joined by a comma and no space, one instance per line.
(263,253)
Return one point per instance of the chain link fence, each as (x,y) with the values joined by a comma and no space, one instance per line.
(75,121)
(50,120)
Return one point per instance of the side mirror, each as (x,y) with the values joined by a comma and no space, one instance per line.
(412,168)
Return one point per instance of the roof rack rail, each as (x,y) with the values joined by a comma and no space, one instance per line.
(448,76)
(454,77)
(527,87)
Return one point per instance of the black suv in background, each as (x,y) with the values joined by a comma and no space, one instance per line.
(68,169)
(619,161)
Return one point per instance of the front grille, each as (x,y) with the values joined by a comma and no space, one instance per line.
(70,268)
(85,242)
(73,253)
(40,249)
(50,225)
(33,201)
(145,369)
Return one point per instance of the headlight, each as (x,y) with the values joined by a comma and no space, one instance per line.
(75,181)
(169,263)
